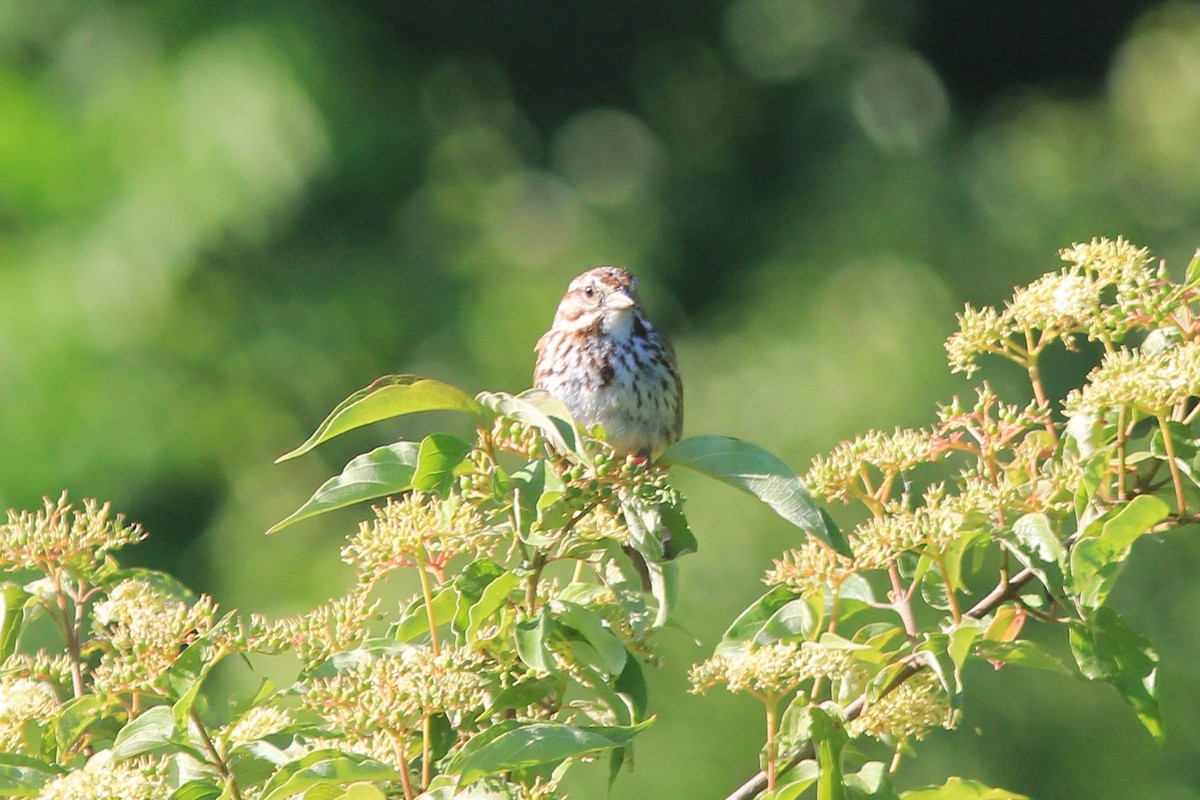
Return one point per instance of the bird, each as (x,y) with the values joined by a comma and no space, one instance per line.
(610,366)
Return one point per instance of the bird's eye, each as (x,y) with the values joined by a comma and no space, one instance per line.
(589,292)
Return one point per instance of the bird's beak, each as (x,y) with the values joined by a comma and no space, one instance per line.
(619,301)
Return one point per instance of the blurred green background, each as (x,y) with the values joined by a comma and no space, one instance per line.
(218,219)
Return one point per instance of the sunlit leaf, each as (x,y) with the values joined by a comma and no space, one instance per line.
(153,732)
(750,622)
(439,454)
(390,396)
(752,469)
(1022,653)
(792,621)
(589,625)
(521,745)
(22,776)
(1096,560)
(537,410)
(532,642)
(325,768)
(12,616)
(75,717)
(196,790)
(959,789)
(383,471)
(829,737)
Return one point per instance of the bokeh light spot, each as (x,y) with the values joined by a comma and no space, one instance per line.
(609,156)
(899,101)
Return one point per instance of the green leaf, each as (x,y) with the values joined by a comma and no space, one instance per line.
(1096,560)
(415,620)
(871,782)
(440,453)
(152,732)
(383,471)
(959,789)
(532,635)
(1107,649)
(754,470)
(829,738)
(1036,537)
(526,693)
(251,763)
(187,674)
(632,683)
(22,776)
(750,622)
(196,790)
(12,617)
(794,620)
(521,745)
(361,791)
(1022,653)
(1192,276)
(74,718)
(591,627)
(799,779)
(325,768)
(390,396)
(537,409)
(490,601)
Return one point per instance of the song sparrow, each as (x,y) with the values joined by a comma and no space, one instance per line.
(610,366)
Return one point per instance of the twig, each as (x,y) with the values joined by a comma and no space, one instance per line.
(218,761)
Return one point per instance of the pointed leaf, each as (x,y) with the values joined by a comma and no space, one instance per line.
(754,470)
(530,744)
(538,410)
(440,453)
(1022,653)
(1097,560)
(750,622)
(390,396)
(959,789)
(22,776)
(1108,650)
(829,738)
(152,732)
(383,471)
(1192,276)
(589,625)
(793,621)
(12,617)
(325,768)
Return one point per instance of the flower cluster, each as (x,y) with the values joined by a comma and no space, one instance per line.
(906,712)
(104,779)
(23,700)
(844,474)
(60,537)
(773,670)
(1153,383)
(331,627)
(417,528)
(142,629)
(930,528)
(811,568)
(1108,287)
(257,723)
(394,692)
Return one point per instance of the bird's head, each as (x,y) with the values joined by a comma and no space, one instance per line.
(603,298)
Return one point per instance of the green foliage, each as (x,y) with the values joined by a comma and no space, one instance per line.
(547,570)
(522,655)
